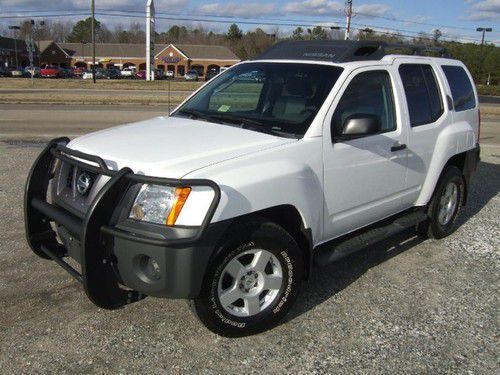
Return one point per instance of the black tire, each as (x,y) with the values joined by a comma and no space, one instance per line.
(256,235)
(433,228)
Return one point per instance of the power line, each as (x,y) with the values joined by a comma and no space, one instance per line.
(412,21)
(261,22)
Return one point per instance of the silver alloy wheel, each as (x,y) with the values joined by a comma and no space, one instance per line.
(250,282)
(448,203)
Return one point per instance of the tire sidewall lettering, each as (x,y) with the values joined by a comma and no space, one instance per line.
(215,306)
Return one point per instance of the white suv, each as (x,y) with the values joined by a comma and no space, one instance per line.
(300,157)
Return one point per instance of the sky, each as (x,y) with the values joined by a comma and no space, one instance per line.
(457,19)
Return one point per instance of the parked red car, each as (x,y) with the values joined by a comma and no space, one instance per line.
(78,71)
(51,71)
(141,74)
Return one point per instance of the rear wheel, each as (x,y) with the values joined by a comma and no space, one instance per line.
(252,283)
(445,205)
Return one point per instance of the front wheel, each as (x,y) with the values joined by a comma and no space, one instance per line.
(252,283)
(445,205)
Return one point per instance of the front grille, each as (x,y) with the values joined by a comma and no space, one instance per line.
(70,193)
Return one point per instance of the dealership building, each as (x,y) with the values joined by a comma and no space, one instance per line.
(178,58)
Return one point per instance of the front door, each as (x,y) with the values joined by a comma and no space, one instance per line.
(364,178)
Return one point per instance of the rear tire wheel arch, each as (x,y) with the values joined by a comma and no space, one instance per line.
(432,227)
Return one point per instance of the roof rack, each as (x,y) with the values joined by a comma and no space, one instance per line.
(344,50)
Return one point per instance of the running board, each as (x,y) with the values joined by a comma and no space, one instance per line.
(334,250)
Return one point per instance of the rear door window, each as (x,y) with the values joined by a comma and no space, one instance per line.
(461,87)
(422,93)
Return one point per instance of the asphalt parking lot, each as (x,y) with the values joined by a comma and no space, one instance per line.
(403,306)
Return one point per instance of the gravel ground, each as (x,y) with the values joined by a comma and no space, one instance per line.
(403,306)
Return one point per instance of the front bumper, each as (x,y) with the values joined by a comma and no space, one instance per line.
(116,254)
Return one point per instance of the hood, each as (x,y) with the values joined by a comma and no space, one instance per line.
(172,147)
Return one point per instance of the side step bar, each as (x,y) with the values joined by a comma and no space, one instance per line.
(334,250)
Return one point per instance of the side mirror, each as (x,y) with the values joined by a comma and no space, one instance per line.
(359,125)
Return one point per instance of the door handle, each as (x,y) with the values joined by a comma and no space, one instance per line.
(398,147)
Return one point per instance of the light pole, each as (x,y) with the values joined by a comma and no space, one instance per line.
(37,37)
(15,41)
(93,41)
(484,30)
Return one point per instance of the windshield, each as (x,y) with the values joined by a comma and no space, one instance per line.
(276,98)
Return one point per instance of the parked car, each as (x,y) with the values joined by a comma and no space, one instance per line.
(5,71)
(112,73)
(128,73)
(159,74)
(52,71)
(233,199)
(211,74)
(35,70)
(169,74)
(141,74)
(191,75)
(69,73)
(99,74)
(79,71)
(17,72)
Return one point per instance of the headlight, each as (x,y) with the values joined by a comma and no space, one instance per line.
(159,204)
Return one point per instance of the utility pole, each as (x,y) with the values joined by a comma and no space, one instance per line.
(348,12)
(93,41)
(483,30)
(150,40)
(15,40)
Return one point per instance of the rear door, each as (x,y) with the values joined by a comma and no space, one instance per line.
(427,112)
(364,178)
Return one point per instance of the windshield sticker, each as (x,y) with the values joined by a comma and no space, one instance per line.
(224,108)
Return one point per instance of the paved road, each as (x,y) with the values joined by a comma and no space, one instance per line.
(42,121)
(489,99)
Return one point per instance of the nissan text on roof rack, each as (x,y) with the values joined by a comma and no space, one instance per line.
(312,151)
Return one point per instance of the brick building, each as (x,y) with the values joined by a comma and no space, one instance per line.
(178,58)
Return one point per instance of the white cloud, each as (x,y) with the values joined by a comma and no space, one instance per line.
(315,7)
(373,9)
(334,8)
(237,9)
(484,10)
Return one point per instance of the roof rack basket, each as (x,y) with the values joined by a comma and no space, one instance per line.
(340,51)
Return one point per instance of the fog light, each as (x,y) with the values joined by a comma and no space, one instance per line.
(150,268)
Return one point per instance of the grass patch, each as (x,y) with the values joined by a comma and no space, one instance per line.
(102,84)
(493,90)
(71,98)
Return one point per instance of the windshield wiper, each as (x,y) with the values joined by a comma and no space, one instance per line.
(250,124)
(196,114)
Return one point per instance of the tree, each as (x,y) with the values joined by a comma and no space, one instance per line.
(436,34)
(319,32)
(83,30)
(234,33)
(298,33)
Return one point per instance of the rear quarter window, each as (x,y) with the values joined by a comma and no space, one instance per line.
(461,88)
(422,93)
